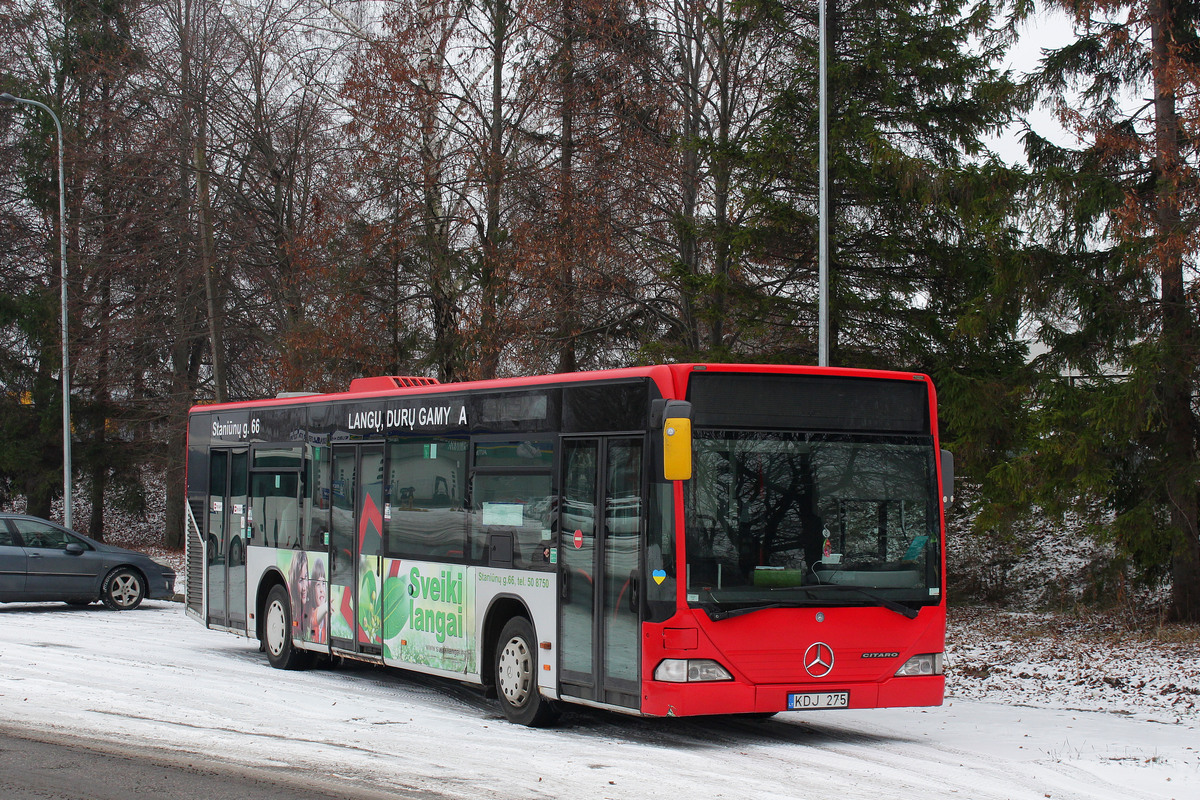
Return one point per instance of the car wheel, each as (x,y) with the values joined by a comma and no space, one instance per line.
(123,589)
(277,632)
(516,676)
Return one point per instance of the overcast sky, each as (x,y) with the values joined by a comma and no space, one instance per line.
(1046,30)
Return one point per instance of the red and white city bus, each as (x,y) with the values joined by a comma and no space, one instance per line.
(663,541)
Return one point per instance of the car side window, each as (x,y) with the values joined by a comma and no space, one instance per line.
(6,537)
(41,535)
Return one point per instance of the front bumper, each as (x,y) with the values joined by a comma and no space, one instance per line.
(733,697)
(161,586)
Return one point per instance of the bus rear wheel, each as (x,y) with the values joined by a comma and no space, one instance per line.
(516,676)
(277,632)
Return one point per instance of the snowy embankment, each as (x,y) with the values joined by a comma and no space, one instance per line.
(1075,663)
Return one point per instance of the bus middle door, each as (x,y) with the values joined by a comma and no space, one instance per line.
(355,548)
(599,553)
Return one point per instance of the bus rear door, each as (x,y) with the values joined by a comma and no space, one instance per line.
(225,540)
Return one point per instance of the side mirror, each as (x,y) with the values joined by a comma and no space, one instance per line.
(677,440)
(947,478)
(74,549)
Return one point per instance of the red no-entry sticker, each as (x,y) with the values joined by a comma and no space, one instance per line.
(578,539)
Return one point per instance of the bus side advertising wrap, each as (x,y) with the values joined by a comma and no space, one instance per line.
(429,615)
(309,592)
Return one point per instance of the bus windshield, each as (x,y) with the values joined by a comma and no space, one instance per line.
(792,519)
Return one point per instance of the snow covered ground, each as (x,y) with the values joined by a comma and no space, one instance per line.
(1038,707)
(1076,662)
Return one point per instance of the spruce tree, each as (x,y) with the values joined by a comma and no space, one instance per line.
(924,243)
(1116,286)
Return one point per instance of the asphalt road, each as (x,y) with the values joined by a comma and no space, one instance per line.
(35,766)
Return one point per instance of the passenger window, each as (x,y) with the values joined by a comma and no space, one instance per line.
(527,454)
(424,509)
(318,498)
(274,508)
(42,536)
(520,504)
(275,497)
(6,537)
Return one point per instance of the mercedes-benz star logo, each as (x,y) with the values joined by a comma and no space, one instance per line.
(818,659)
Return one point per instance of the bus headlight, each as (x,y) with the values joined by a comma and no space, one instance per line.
(925,664)
(690,670)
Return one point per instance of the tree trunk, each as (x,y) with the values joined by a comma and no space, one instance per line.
(1177,369)
(212,283)
(40,486)
(490,277)
(99,467)
(722,176)
(188,344)
(566,226)
(691,48)
(185,366)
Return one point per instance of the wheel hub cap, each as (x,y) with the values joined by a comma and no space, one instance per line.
(275,630)
(125,589)
(516,671)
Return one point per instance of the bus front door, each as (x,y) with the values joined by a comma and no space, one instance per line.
(599,550)
(225,539)
(355,548)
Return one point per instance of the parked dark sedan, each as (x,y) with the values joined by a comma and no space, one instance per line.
(42,561)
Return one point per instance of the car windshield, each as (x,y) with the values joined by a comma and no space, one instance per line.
(811,519)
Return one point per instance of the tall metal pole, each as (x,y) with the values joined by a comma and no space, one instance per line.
(66,363)
(823,205)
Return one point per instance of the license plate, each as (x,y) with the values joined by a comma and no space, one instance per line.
(799,701)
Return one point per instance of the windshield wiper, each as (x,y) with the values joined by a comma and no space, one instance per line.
(886,602)
(718,614)
(717,611)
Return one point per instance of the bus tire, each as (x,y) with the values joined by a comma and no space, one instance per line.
(516,676)
(277,632)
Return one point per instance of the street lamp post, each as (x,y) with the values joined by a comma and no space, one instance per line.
(66,368)
(823,197)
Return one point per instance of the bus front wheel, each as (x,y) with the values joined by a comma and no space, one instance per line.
(516,676)
(277,632)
